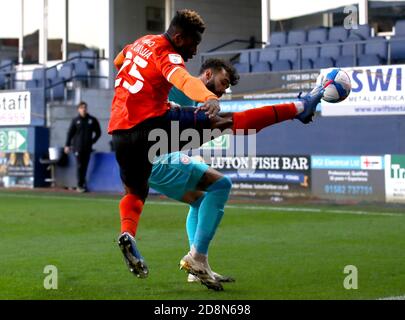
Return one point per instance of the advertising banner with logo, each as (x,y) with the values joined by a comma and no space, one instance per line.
(348,177)
(376,90)
(13,140)
(16,169)
(395,178)
(15,108)
(271,177)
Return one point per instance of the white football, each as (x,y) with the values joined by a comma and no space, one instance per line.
(337,85)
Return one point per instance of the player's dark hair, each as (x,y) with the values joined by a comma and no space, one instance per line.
(218,65)
(82,103)
(188,21)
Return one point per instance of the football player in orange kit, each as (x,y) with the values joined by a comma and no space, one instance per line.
(148,69)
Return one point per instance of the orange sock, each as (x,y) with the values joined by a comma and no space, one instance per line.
(260,118)
(130,212)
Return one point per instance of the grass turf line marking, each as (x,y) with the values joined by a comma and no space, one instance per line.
(254,208)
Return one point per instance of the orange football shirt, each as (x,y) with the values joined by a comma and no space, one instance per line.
(141,85)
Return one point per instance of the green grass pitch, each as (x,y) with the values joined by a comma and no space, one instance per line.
(284,252)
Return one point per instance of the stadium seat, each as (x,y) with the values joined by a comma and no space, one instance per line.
(296,37)
(310,52)
(287,53)
(242,67)
(2,80)
(369,60)
(38,77)
(351,47)
(244,57)
(397,50)
(51,73)
(281,65)
(318,35)
(6,65)
(89,56)
(58,88)
(400,28)
(261,66)
(66,71)
(306,64)
(337,34)
(330,51)
(323,62)
(74,56)
(345,61)
(81,72)
(268,54)
(363,32)
(377,46)
(278,39)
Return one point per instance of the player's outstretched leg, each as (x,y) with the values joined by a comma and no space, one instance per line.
(310,102)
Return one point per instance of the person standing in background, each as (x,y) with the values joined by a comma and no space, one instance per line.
(84,131)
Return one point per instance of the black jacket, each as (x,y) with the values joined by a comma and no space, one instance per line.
(83,133)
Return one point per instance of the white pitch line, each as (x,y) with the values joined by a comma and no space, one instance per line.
(254,208)
(393,298)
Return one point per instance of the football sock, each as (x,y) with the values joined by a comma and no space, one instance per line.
(192,219)
(260,118)
(210,213)
(130,212)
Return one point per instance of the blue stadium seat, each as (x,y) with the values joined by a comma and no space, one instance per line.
(310,52)
(323,62)
(318,35)
(369,60)
(397,50)
(81,72)
(38,77)
(2,80)
(278,39)
(296,37)
(281,65)
(306,64)
(74,56)
(244,57)
(58,88)
(261,66)
(268,54)
(330,51)
(89,56)
(66,71)
(287,53)
(242,67)
(31,84)
(400,28)
(345,61)
(362,33)
(350,45)
(51,73)
(377,46)
(337,34)
(6,65)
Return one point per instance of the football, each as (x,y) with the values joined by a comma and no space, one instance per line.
(337,85)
